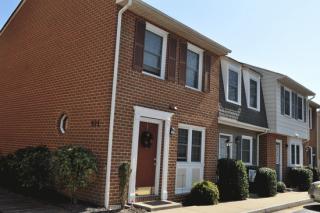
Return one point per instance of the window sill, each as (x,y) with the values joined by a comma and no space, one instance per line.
(233,102)
(194,89)
(152,75)
(255,109)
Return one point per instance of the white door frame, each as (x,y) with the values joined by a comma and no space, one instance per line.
(140,113)
(280,142)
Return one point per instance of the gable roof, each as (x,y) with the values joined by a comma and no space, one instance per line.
(150,13)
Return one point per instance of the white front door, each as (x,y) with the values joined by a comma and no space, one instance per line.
(279,159)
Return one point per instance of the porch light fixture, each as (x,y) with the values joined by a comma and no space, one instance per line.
(173,107)
(172,131)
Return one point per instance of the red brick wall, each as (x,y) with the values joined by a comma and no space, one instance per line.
(313,136)
(55,57)
(267,151)
(135,88)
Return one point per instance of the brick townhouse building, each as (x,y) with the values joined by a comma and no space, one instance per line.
(146,93)
(133,85)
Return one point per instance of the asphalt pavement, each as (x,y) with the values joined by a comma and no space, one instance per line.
(308,208)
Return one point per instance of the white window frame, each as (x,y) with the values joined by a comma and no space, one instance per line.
(189,165)
(156,30)
(234,69)
(198,51)
(300,153)
(231,140)
(256,79)
(310,118)
(251,149)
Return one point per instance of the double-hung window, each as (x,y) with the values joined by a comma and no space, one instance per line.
(194,67)
(295,154)
(253,93)
(246,150)
(155,45)
(233,86)
(285,101)
(190,157)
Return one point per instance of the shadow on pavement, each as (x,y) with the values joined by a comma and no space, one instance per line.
(313,207)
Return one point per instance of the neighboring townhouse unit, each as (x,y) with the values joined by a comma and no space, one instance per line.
(318,140)
(287,106)
(242,115)
(311,147)
(147,94)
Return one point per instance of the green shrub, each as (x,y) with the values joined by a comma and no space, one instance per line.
(232,180)
(204,193)
(281,187)
(73,167)
(27,168)
(266,182)
(32,167)
(300,178)
(124,175)
(315,174)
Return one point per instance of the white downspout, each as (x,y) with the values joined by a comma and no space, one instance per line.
(113,101)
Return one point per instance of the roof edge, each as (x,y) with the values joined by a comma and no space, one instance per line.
(197,37)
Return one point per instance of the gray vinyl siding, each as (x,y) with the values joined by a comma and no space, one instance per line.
(242,113)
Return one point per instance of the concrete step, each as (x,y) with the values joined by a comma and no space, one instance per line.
(157,205)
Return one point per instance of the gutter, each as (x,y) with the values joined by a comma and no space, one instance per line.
(113,100)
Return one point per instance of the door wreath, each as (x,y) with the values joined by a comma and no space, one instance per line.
(146,139)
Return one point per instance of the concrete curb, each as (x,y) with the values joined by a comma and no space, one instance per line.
(282,206)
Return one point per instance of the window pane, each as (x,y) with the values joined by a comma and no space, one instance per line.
(152,53)
(182,145)
(287,102)
(233,86)
(192,74)
(196,146)
(246,150)
(253,93)
(300,108)
(293,159)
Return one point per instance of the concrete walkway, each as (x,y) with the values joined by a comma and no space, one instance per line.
(14,203)
(249,205)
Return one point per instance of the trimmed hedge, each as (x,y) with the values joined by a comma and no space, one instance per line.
(232,180)
(300,178)
(266,182)
(203,193)
(281,187)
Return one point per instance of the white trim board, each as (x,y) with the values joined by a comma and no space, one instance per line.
(239,124)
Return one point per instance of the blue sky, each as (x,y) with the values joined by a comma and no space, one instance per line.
(6,9)
(283,36)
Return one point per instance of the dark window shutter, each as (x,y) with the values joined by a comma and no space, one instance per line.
(296,105)
(305,110)
(139,45)
(282,100)
(206,72)
(293,106)
(182,62)
(172,58)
